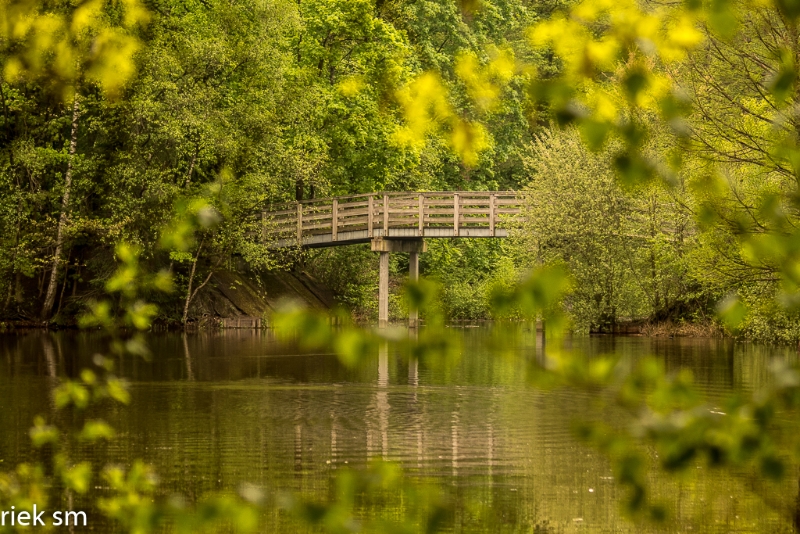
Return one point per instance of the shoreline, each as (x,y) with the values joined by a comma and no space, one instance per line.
(626,328)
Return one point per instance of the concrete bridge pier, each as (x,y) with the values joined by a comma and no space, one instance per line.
(385,246)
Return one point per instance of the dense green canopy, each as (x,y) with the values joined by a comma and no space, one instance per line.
(118,118)
(657,145)
(238,104)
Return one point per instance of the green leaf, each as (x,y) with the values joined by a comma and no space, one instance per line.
(633,169)
(353,346)
(722,18)
(70,392)
(180,256)
(782,83)
(635,81)
(96,430)
(790,8)
(732,311)
(88,377)
(311,328)
(772,467)
(118,390)
(658,513)
(42,434)
(594,133)
(77,477)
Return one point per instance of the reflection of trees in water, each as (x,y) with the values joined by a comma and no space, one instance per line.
(187,356)
(454,440)
(493,432)
(53,356)
(49,356)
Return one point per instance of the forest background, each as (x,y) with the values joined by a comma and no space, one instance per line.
(213,109)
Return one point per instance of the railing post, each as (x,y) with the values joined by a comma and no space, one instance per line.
(455,214)
(385,215)
(491,214)
(299,224)
(334,219)
(421,230)
(370,216)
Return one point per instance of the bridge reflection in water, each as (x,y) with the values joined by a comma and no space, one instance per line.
(391,222)
(220,408)
(410,441)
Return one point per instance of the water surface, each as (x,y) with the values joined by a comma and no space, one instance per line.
(214,410)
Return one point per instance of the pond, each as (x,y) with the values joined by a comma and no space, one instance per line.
(214,410)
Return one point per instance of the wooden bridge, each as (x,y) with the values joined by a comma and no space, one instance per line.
(391,222)
(337,221)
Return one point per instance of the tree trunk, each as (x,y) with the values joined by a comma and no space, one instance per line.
(189,293)
(62,220)
(191,168)
(64,285)
(653,266)
(13,278)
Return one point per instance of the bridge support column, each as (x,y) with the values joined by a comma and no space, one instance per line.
(383,291)
(385,247)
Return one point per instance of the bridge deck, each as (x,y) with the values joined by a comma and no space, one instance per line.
(360,218)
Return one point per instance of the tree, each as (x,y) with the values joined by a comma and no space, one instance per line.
(50,296)
(70,46)
(623,248)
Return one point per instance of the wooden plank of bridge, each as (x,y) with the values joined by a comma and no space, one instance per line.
(334,219)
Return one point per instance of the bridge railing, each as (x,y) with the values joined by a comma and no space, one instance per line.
(378,214)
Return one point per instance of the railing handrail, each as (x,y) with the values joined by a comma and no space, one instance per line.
(381,194)
(393,214)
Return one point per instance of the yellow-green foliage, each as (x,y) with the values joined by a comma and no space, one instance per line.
(631,76)
(621,247)
(67,42)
